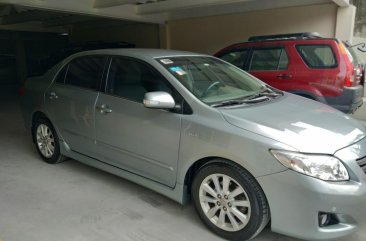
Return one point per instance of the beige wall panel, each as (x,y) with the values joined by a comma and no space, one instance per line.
(209,34)
(143,35)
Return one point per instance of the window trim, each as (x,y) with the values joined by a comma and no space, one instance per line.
(282,47)
(64,67)
(298,46)
(186,108)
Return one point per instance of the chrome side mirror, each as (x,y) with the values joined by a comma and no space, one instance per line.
(159,100)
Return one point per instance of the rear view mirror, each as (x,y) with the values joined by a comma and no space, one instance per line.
(159,100)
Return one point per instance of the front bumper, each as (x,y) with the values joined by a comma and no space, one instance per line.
(295,200)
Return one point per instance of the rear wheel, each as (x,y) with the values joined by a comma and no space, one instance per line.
(230,201)
(47,142)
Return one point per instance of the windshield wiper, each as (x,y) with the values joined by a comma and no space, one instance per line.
(240,102)
(228,103)
(267,92)
(263,95)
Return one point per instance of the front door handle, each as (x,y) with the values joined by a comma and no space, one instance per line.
(52,96)
(284,76)
(104,109)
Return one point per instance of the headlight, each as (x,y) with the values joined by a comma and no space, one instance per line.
(327,168)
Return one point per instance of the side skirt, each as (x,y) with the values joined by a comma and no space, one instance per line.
(178,193)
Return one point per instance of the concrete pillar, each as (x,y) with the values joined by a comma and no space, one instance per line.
(345,23)
(162,36)
(21,58)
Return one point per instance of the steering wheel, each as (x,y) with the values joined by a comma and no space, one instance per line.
(210,87)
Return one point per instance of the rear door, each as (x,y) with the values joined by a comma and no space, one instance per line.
(320,67)
(271,64)
(70,101)
(141,140)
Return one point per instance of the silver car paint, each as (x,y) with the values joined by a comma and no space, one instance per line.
(74,114)
(243,135)
(289,122)
(117,142)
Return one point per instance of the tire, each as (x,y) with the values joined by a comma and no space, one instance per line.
(307,97)
(243,198)
(47,142)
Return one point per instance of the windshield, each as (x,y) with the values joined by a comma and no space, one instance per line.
(212,80)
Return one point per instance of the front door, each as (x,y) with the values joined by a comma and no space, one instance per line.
(140,140)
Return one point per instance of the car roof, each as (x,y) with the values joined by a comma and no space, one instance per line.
(264,43)
(139,53)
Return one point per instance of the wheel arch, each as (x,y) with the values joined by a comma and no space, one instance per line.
(200,163)
(35,116)
(308,94)
(41,114)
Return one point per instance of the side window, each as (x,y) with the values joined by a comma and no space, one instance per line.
(61,75)
(86,72)
(236,58)
(317,56)
(269,59)
(131,79)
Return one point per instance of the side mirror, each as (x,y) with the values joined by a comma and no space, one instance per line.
(362,48)
(159,100)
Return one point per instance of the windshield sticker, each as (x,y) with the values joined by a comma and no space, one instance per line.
(177,70)
(166,61)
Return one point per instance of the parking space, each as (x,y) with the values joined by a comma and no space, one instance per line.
(72,201)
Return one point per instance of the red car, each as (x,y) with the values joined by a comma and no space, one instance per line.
(322,69)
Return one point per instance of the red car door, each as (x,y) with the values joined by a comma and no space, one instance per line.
(271,64)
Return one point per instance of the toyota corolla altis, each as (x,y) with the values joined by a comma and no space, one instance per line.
(193,127)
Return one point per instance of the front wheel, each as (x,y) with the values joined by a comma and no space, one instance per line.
(47,142)
(230,201)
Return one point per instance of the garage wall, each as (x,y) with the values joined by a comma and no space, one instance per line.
(143,35)
(360,55)
(209,34)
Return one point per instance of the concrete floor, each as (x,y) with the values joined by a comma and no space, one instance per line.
(73,202)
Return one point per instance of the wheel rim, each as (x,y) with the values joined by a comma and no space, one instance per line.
(224,202)
(45,140)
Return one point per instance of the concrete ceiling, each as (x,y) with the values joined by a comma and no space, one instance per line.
(54,14)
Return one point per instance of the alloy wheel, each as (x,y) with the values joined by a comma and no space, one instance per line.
(45,140)
(224,202)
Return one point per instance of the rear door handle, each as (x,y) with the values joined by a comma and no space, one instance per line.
(52,96)
(284,76)
(104,109)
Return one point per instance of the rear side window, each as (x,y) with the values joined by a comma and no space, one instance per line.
(61,75)
(237,57)
(86,72)
(317,56)
(269,59)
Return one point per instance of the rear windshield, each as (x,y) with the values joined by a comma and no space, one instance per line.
(317,56)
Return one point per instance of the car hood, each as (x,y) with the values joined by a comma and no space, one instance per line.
(306,125)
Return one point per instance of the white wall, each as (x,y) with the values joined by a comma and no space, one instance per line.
(209,34)
(361,55)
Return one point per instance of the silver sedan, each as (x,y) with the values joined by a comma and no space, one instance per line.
(193,127)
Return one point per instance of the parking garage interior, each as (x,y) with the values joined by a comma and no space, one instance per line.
(72,201)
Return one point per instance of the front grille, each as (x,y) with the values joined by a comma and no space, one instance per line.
(362,163)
